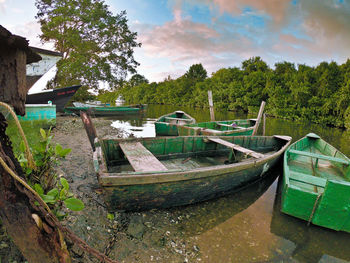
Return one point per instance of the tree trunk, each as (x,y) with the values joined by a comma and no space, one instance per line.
(16,209)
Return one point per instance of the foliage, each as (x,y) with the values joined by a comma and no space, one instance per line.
(59,196)
(196,73)
(46,156)
(96,45)
(319,94)
(44,178)
(83,94)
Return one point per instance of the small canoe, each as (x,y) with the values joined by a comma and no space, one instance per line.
(316,183)
(219,128)
(103,111)
(91,104)
(145,173)
(167,125)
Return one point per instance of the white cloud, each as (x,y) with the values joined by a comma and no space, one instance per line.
(31,31)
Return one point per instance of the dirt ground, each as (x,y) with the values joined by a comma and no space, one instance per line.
(129,237)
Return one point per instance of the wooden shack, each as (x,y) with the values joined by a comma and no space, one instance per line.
(14,55)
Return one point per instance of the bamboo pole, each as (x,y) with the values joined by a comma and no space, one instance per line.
(261,110)
(211,105)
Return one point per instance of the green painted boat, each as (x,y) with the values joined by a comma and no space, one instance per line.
(219,128)
(316,183)
(144,173)
(103,111)
(45,114)
(167,125)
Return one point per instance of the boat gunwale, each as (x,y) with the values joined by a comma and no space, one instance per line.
(192,126)
(112,179)
(190,118)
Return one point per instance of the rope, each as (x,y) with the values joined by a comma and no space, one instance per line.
(28,153)
(313,209)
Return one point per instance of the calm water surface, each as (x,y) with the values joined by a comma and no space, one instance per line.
(248,226)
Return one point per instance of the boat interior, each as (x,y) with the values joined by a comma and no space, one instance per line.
(162,154)
(225,125)
(177,117)
(312,161)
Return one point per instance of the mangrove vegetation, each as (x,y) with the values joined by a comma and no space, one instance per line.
(319,94)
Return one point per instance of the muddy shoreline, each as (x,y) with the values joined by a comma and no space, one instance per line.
(128,237)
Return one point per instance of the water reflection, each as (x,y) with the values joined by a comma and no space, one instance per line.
(312,243)
(134,128)
(218,211)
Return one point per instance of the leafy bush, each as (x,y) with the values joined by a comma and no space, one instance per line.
(44,178)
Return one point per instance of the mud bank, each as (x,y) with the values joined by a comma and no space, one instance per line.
(128,237)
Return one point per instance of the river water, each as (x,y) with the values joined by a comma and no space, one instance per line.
(248,226)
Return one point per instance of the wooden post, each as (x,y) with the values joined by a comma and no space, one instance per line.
(89,128)
(211,105)
(256,127)
(264,123)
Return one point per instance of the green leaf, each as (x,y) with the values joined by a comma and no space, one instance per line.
(22,146)
(53,192)
(64,183)
(110,216)
(43,133)
(65,152)
(60,151)
(38,188)
(74,204)
(48,199)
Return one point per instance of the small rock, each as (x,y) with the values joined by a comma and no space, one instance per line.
(3,245)
(136,228)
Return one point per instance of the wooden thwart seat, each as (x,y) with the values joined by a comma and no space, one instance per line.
(141,159)
(237,147)
(319,156)
(229,125)
(307,179)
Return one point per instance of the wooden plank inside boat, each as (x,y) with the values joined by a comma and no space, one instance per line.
(237,147)
(319,156)
(141,159)
(231,126)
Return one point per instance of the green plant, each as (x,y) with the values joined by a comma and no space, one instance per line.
(46,156)
(44,178)
(59,197)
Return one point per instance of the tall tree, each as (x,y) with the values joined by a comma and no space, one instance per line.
(196,73)
(96,45)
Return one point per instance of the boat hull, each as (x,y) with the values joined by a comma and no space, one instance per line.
(103,111)
(167,125)
(316,192)
(58,97)
(219,128)
(143,191)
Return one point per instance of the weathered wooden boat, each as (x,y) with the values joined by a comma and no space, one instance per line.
(161,172)
(103,111)
(316,183)
(311,243)
(58,97)
(219,128)
(90,104)
(167,125)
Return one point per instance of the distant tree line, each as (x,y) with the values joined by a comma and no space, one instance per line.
(320,94)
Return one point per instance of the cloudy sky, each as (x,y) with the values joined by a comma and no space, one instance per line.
(217,33)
